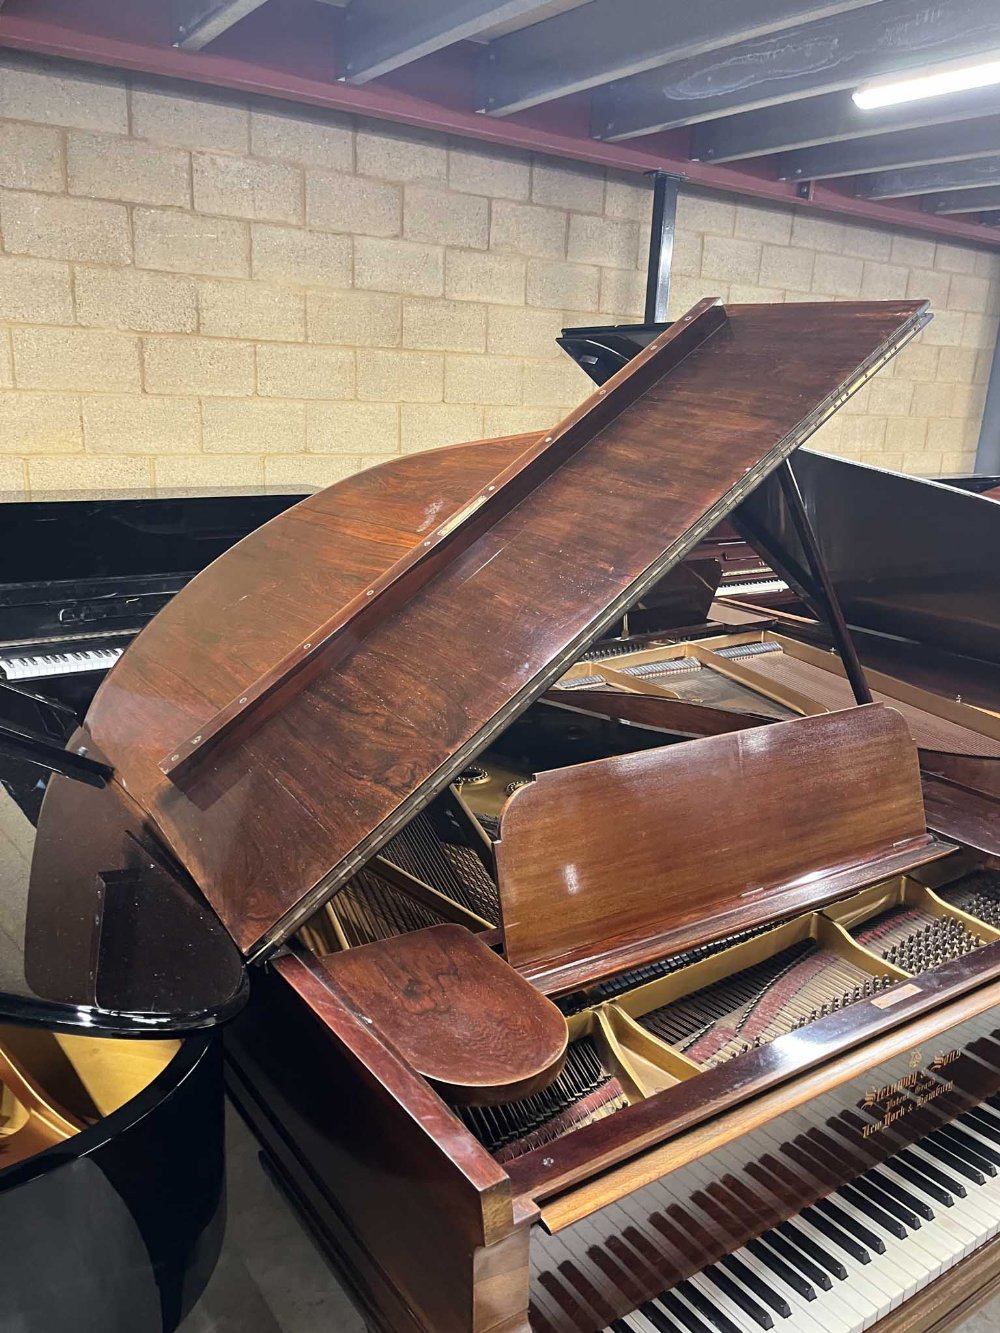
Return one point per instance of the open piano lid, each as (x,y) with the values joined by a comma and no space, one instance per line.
(311,690)
(910,559)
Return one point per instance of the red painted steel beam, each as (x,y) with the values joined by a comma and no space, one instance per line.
(295,61)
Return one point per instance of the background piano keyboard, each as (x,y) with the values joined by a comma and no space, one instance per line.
(26,665)
(83,576)
(752,588)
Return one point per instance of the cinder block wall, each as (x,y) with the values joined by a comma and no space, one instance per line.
(203,291)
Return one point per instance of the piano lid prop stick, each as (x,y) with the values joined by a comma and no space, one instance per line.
(833,610)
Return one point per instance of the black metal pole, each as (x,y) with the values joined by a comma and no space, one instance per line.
(828,594)
(988,452)
(661,245)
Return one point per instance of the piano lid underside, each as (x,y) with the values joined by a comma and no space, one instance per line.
(546,579)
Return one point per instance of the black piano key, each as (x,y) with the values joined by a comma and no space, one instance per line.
(777,1265)
(794,1256)
(873,1213)
(620,1326)
(922,1183)
(864,1185)
(993,1117)
(658,1319)
(837,1237)
(977,1152)
(941,1178)
(760,1289)
(945,1153)
(684,1316)
(738,1296)
(706,1309)
(815,1252)
(869,1239)
(984,1124)
(892,1187)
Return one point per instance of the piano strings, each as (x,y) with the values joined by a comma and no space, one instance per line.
(584,1092)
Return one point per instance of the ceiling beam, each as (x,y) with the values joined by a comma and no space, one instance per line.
(840,52)
(382,35)
(258,72)
(964,201)
(890,152)
(201,21)
(612,39)
(830,118)
(928,180)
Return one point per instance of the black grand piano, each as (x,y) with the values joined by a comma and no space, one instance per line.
(111,1125)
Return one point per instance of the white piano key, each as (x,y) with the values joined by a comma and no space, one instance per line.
(754,586)
(806,1315)
(38,666)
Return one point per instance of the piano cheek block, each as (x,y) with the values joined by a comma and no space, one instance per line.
(456,1012)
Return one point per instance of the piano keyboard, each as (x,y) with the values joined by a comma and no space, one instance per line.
(837,1265)
(36,666)
(753,588)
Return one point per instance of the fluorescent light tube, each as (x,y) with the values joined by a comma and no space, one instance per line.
(954,78)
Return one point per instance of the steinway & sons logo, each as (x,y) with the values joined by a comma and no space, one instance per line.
(894,1100)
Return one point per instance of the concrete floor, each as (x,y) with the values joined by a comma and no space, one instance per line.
(272,1279)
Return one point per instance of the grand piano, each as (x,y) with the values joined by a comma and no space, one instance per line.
(111,1129)
(653,1012)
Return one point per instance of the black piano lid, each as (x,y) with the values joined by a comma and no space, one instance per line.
(911,559)
(70,535)
(99,933)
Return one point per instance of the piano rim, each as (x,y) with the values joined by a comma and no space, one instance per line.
(192,1050)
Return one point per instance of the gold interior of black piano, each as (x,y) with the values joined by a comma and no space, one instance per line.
(52,1085)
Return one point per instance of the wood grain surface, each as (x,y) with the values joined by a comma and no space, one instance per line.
(962,798)
(455,1011)
(329,641)
(272,823)
(627,854)
(679,716)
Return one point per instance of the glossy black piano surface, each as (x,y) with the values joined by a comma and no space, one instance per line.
(81,574)
(113,972)
(111,1148)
